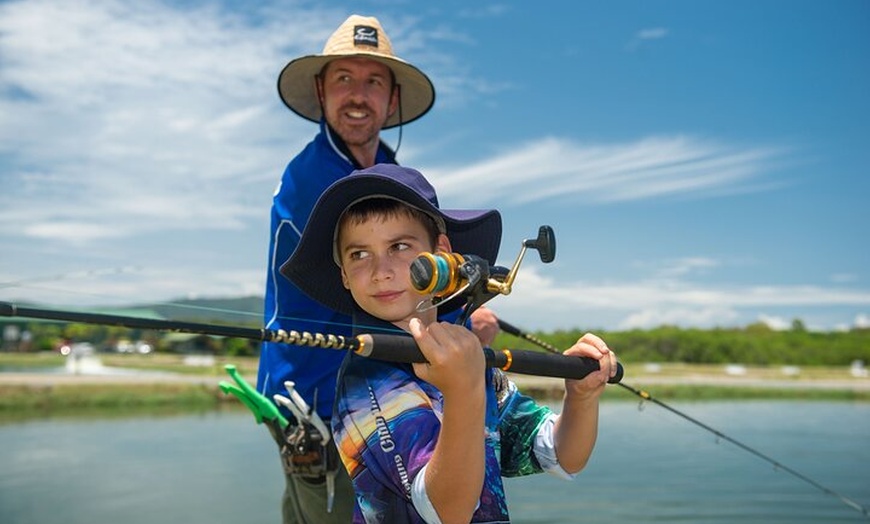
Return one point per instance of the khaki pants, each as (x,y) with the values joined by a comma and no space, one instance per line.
(304,502)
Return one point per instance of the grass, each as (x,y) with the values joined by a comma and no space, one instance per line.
(167,362)
(665,382)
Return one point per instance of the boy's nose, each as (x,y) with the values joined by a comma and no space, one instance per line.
(383,269)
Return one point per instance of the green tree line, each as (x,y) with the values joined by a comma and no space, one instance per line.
(756,345)
(49,336)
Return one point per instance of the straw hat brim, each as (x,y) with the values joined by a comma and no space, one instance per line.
(296,85)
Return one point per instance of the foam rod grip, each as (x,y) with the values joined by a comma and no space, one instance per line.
(540,364)
(399,348)
(391,348)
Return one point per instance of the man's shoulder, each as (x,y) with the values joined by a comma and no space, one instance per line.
(318,156)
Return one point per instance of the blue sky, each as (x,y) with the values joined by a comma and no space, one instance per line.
(702,163)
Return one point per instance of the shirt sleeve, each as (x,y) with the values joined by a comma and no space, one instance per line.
(520,419)
(545,449)
(420,499)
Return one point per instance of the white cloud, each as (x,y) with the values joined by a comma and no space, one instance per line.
(775,323)
(647,35)
(133,112)
(843,278)
(561,170)
(647,303)
(667,269)
(653,33)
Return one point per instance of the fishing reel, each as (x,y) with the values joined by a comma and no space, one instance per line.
(449,276)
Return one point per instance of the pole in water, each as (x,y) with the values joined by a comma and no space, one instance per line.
(644,395)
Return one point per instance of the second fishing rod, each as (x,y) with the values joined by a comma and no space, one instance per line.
(646,396)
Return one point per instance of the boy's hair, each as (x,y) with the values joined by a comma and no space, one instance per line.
(383,208)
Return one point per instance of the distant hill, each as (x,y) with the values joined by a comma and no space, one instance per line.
(246,311)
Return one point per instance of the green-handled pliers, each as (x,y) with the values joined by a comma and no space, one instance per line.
(262,408)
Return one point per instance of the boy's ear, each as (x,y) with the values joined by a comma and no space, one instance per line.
(344,279)
(443,243)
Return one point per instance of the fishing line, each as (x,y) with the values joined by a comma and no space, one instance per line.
(35,283)
(646,396)
(65,276)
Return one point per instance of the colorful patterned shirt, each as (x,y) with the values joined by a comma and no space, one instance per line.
(386,424)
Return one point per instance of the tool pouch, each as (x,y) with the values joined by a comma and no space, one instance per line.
(304,454)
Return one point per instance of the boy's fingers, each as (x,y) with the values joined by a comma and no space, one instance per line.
(596,342)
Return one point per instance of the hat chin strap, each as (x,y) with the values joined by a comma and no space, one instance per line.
(318,86)
(401,120)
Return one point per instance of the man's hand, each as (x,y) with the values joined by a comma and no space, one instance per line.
(484,324)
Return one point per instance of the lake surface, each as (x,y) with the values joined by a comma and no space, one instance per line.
(649,466)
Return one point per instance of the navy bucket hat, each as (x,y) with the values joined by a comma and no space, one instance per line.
(312,267)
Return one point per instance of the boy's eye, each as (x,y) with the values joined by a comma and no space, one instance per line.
(401,246)
(358,255)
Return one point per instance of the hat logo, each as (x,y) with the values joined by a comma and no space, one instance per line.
(365,35)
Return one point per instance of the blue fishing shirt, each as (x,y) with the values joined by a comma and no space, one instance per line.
(324,161)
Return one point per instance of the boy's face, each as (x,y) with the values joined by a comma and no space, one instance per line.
(376,257)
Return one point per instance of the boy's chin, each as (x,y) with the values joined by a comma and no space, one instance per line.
(401,316)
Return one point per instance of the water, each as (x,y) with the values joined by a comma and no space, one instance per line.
(649,466)
(85,365)
(653,466)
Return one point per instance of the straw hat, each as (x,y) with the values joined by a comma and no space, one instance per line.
(357,36)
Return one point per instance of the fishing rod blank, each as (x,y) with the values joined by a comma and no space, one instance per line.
(392,348)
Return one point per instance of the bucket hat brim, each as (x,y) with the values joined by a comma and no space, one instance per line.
(312,268)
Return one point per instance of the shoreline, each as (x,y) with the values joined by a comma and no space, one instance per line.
(129,388)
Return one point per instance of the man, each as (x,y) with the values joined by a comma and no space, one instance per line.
(353,89)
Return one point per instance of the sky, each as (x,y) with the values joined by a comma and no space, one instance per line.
(703,164)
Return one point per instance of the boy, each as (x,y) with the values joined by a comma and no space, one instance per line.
(428,442)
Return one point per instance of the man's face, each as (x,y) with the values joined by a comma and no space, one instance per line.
(358,98)
(376,257)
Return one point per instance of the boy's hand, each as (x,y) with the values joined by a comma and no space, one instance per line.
(592,385)
(456,363)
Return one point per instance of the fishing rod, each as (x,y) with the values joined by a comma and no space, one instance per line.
(388,347)
(645,395)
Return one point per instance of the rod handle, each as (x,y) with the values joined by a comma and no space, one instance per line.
(400,348)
